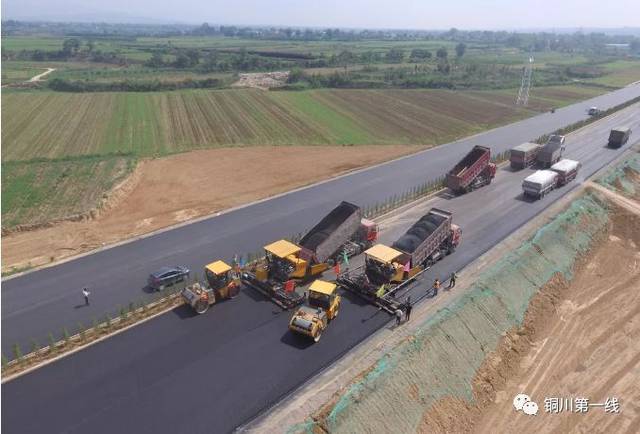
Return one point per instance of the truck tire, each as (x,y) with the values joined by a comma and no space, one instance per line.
(201,306)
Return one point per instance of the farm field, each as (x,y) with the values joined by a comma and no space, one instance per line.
(53,125)
(34,193)
(619,73)
(542,98)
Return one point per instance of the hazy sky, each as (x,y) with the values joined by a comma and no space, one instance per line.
(417,14)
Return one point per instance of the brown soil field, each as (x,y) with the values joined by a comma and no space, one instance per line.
(438,115)
(230,176)
(579,339)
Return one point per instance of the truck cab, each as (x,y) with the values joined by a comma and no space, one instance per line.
(323,305)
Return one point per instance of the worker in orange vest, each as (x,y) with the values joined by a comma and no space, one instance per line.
(436,287)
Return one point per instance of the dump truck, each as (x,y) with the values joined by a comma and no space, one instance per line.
(618,137)
(556,138)
(387,269)
(550,154)
(473,171)
(540,183)
(222,283)
(323,305)
(524,155)
(343,232)
(567,171)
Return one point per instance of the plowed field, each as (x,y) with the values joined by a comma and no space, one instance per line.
(54,125)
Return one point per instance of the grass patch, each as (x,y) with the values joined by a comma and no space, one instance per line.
(36,192)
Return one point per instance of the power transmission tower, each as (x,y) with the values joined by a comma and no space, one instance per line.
(523,93)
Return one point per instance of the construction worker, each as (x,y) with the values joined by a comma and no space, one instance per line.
(85,293)
(398,314)
(452,280)
(407,309)
(436,287)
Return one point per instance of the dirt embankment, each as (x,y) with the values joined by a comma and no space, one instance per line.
(165,191)
(579,339)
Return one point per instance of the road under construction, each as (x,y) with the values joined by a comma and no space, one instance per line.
(218,370)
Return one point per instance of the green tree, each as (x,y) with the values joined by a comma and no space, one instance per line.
(442,53)
(460,49)
(70,46)
(156,60)
(419,55)
(395,55)
(345,58)
(295,75)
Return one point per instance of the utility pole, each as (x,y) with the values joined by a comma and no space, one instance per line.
(523,93)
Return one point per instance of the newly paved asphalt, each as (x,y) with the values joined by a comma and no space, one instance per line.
(48,300)
(211,373)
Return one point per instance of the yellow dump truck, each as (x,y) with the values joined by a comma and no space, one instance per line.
(323,305)
(222,283)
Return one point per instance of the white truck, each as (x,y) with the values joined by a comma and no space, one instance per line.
(540,183)
(567,170)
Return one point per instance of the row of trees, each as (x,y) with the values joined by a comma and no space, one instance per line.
(242,60)
(63,85)
(72,49)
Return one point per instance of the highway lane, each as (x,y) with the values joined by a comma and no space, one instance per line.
(211,373)
(44,301)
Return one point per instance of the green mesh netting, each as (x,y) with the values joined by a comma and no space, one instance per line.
(618,179)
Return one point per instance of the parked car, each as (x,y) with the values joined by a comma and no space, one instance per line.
(593,111)
(167,276)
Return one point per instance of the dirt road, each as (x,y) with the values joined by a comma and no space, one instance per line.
(38,77)
(201,183)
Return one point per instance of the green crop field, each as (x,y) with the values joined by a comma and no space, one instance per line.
(40,191)
(54,125)
(619,73)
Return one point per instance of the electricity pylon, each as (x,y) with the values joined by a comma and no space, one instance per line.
(523,93)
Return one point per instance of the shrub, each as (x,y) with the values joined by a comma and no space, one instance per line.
(17,351)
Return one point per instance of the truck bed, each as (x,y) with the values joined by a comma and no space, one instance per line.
(335,229)
(425,235)
(468,168)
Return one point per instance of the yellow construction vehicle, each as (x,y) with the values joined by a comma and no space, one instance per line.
(323,305)
(222,283)
(285,262)
(342,233)
(388,269)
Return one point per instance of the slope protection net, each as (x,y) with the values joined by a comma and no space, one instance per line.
(624,177)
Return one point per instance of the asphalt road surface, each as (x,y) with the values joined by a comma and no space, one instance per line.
(48,300)
(212,373)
